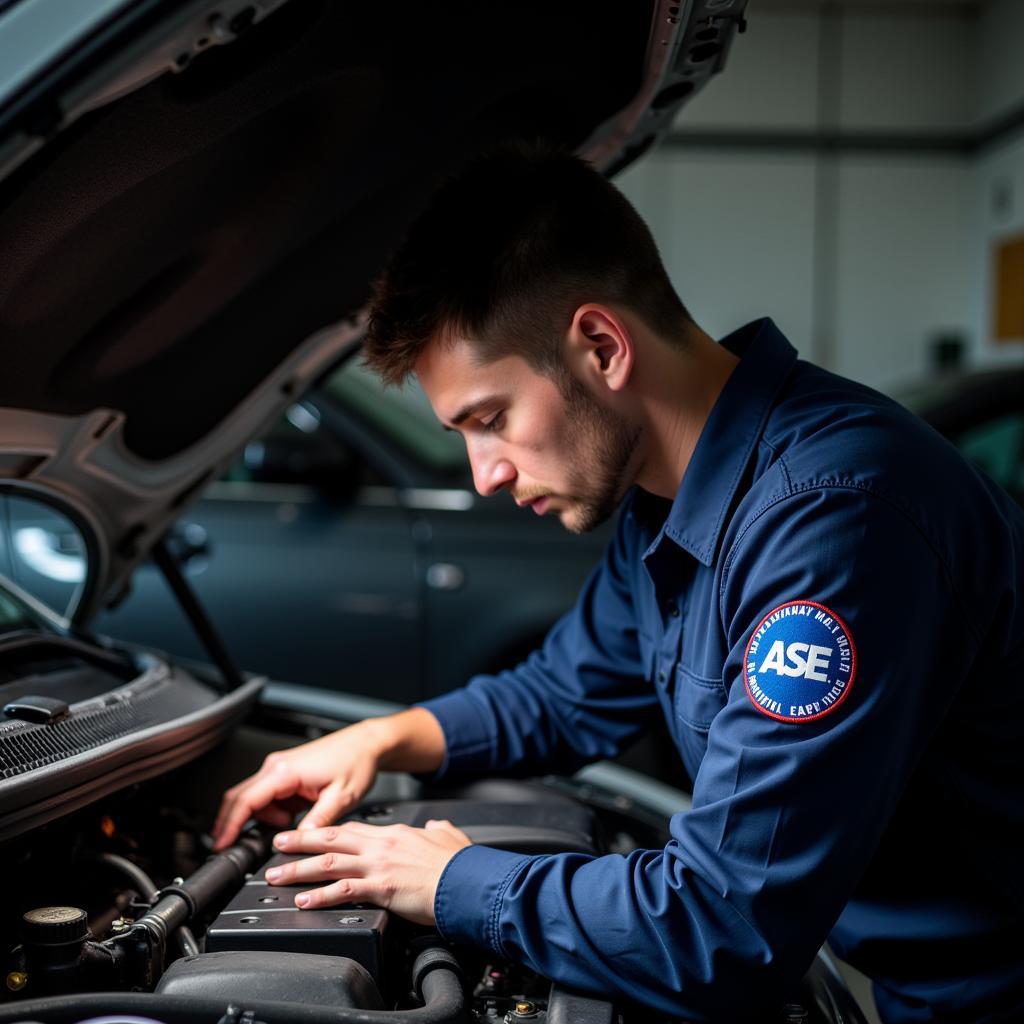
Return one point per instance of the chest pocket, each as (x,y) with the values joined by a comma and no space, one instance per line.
(697,699)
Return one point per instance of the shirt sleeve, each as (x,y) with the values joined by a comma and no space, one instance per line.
(786,814)
(580,698)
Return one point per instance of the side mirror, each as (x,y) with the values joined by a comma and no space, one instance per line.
(42,551)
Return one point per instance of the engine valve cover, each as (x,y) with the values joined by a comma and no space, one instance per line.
(264,917)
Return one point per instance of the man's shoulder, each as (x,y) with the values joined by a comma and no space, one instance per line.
(827,432)
(834,452)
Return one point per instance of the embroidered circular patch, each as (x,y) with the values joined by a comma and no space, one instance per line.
(800,662)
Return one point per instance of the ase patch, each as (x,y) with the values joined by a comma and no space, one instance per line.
(800,662)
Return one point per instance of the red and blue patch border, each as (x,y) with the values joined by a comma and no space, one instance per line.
(789,719)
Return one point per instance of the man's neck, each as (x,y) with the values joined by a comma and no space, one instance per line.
(679,389)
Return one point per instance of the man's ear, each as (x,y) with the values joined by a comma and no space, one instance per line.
(600,346)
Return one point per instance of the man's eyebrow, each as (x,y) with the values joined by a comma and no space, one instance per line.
(467,410)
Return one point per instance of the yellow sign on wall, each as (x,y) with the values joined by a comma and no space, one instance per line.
(1009,297)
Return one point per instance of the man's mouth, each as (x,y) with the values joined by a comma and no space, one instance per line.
(537,504)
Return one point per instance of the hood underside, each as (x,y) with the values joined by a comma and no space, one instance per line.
(180,262)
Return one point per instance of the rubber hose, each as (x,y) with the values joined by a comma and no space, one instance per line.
(180,902)
(147,890)
(441,988)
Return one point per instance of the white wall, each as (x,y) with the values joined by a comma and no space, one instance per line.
(717,217)
(770,79)
(908,69)
(865,256)
(902,268)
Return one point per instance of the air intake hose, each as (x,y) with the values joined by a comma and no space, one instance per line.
(436,975)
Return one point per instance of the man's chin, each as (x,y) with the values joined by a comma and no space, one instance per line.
(584,518)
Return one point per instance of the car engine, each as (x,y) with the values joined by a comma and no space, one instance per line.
(119,912)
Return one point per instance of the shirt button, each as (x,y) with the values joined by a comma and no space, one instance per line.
(674,611)
(661,677)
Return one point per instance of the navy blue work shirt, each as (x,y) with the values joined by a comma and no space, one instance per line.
(830,617)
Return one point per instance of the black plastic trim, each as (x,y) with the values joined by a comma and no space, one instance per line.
(67,785)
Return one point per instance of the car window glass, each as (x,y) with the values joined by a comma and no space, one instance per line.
(998,448)
(298,449)
(41,551)
(402,414)
(13,617)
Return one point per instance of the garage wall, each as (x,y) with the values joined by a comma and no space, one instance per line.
(718,217)
(902,265)
(997,195)
(826,178)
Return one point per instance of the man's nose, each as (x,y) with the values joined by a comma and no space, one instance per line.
(490,472)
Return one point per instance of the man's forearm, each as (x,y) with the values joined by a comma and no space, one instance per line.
(409,741)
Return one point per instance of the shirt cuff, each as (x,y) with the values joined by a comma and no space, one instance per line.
(467,904)
(468,734)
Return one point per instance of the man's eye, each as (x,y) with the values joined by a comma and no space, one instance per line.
(495,422)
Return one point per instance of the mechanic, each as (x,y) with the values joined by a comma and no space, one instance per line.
(820,595)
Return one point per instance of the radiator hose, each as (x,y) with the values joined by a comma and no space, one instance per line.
(436,977)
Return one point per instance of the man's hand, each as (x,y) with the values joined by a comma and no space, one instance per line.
(393,866)
(332,773)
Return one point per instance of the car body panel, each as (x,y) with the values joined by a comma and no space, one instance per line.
(156,225)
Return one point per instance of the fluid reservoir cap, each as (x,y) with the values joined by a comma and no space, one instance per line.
(54,926)
(44,710)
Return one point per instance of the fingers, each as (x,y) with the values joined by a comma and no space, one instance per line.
(255,793)
(393,866)
(332,802)
(339,838)
(226,803)
(345,890)
(324,867)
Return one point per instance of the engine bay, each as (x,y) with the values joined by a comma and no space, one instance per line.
(120,908)
(120,912)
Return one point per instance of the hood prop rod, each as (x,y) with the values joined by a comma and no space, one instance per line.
(196,614)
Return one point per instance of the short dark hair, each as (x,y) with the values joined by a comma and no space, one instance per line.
(506,252)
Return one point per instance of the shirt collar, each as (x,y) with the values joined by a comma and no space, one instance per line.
(728,440)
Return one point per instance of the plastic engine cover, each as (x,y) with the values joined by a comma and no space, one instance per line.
(264,917)
(543,826)
(283,977)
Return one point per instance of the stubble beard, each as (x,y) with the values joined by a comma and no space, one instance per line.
(601,446)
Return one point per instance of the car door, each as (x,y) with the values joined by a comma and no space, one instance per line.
(305,562)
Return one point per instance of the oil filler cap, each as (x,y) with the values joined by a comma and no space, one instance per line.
(54,926)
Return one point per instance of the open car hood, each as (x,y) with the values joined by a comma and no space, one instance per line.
(196,196)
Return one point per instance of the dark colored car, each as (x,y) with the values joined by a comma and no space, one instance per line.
(194,197)
(353,529)
(982,413)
